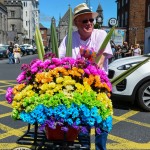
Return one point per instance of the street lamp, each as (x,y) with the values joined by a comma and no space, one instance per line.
(99,21)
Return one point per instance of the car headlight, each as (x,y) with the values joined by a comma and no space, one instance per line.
(127,66)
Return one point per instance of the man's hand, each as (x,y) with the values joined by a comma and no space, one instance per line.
(101,61)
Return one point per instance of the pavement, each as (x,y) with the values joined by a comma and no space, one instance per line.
(131,127)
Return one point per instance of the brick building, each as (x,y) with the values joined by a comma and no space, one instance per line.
(134,15)
(43,31)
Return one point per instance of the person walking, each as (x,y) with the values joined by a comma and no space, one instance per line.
(17,55)
(10,53)
(136,50)
(88,37)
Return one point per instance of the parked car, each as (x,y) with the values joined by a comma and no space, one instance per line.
(3,51)
(23,50)
(30,50)
(135,87)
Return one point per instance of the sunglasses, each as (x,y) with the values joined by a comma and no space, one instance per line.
(87,20)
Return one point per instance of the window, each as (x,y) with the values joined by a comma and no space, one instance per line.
(148,13)
(13,27)
(126,18)
(26,23)
(12,14)
(42,32)
(26,13)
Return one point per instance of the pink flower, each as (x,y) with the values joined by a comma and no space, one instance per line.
(69,60)
(87,71)
(92,69)
(34,69)
(9,95)
(21,77)
(51,66)
(56,61)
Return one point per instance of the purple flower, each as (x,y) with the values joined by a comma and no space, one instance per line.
(84,130)
(9,95)
(64,129)
(98,130)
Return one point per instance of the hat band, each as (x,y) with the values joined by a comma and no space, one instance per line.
(83,11)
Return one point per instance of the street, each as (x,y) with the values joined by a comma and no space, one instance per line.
(131,126)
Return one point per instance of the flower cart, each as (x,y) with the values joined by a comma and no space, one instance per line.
(63,97)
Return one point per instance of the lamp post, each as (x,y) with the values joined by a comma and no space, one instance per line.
(99,21)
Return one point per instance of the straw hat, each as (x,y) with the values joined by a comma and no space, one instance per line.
(83,9)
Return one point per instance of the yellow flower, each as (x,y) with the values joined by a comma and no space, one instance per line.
(80,87)
(87,86)
(57,88)
(69,87)
(50,92)
(52,85)
(59,80)
(44,87)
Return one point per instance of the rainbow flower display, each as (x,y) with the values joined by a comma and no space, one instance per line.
(65,92)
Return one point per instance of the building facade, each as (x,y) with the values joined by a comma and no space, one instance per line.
(134,15)
(30,19)
(44,31)
(3,23)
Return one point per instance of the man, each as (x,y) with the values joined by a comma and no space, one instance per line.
(10,53)
(88,37)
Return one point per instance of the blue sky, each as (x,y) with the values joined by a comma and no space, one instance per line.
(57,8)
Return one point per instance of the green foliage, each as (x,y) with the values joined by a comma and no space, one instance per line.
(38,46)
(40,42)
(69,40)
(104,44)
(54,40)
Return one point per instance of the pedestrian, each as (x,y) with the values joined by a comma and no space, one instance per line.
(136,50)
(10,53)
(88,37)
(125,48)
(118,53)
(17,55)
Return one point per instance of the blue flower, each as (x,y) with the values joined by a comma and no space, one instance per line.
(69,121)
(26,117)
(94,111)
(98,119)
(78,121)
(75,113)
(49,111)
(90,121)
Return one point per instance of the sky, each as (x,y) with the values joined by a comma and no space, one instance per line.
(57,9)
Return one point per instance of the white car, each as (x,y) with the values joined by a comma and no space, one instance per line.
(135,87)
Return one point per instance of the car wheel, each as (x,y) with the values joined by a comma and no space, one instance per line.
(144,96)
(30,53)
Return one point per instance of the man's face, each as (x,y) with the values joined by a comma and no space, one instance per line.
(84,23)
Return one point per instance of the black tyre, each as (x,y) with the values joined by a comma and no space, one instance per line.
(143,96)
(31,53)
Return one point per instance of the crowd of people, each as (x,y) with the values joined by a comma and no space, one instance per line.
(121,51)
(14,53)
